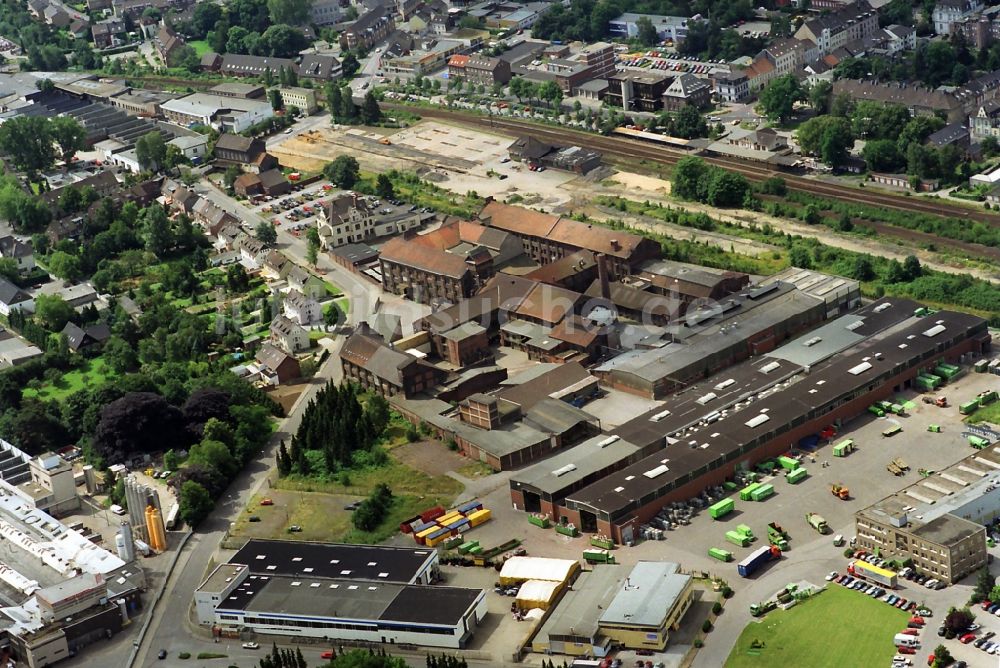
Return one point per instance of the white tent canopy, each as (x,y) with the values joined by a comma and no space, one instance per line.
(520,569)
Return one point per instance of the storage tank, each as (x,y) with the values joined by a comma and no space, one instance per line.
(123,609)
(90,479)
(143,548)
(124,541)
(154,527)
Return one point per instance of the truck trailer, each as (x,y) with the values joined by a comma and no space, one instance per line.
(757,558)
(817,522)
(721,508)
(863,569)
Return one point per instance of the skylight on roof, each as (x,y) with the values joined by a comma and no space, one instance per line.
(934,331)
(296,584)
(608,441)
(335,561)
(768,368)
(859,368)
(314,585)
(372,563)
(882,307)
(308,569)
(619,490)
(855,325)
(706,398)
(659,416)
(659,470)
(352,587)
(724,384)
(383,575)
(757,421)
(271,568)
(629,477)
(296,558)
(563,470)
(345,572)
(812,342)
(262,556)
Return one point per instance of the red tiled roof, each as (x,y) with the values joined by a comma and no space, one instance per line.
(401,251)
(517,219)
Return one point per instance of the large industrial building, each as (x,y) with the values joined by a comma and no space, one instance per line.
(760,409)
(607,609)
(59,591)
(338,592)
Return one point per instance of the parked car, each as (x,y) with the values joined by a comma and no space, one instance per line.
(254,518)
(266,502)
(251,645)
(967,638)
(162,654)
(295,528)
(328,654)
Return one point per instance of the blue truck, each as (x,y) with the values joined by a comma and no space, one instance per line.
(757,558)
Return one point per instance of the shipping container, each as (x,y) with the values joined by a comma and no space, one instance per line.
(721,508)
(470,507)
(762,492)
(736,538)
(480,516)
(597,556)
(748,490)
(969,407)
(797,476)
(842,448)
(788,463)
(882,576)
(465,547)
(720,554)
(432,513)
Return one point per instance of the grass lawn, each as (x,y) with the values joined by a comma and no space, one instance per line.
(835,628)
(989,413)
(200,46)
(93,373)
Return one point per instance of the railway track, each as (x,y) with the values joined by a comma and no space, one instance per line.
(630,148)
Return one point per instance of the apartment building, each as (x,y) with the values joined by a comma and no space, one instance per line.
(351,218)
(368,30)
(367,360)
(480,70)
(303,98)
(288,336)
(637,91)
(831,31)
(301,309)
(948,12)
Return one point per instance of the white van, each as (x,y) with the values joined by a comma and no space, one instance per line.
(903,640)
(117,510)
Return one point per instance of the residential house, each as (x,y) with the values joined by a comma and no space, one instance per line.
(479,70)
(108,33)
(301,309)
(271,182)
(167,43)
(985,122)
(305,282)
(351,218)
(831,31)
(213,218)
(900,39)
(687,90)
(178,198)
(289,336)
(673,28)
(83,338)
(953,134)
(760,72)
(953,104)
(731,86)
(237,65)
(276,266)
(373,27)
(367,360)
(252,250)
(13,298)
(320,67)
(788,55)
(249,154)
(325,12)
(211,62)
(276,366)
(20,252)
(948,12)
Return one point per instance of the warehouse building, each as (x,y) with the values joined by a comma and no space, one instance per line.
(763,424)
(606,610)
(338,592)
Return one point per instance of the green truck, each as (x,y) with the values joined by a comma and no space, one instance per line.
(876,411)
(817,522)
(987,398)
(746,531)
(788,463)
(748,490)
(721,509)
(598,556)
(777,536)
(762,492)
(758,609)
(978,442)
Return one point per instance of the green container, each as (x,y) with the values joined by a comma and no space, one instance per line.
(721,508)
(730,486)
(981,366)
(476,550)
(567,530)
(876,411)
(767,466)
(762,492)
(745,530)
(788,463)
(968,407)
(798,475)
(897,409)
(987,398)
(884,405)
(720,554)
(605,543)
(542,522)
(736,538)
(453,542)
(466,548)
(598,557)
(748,490)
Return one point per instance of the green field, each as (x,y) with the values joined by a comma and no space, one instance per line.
(200,46)
(989,413)
(838,628)
(91,374)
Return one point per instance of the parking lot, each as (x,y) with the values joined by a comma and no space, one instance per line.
(811,556)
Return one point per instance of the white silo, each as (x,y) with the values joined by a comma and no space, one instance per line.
(125,542)
(90,479)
